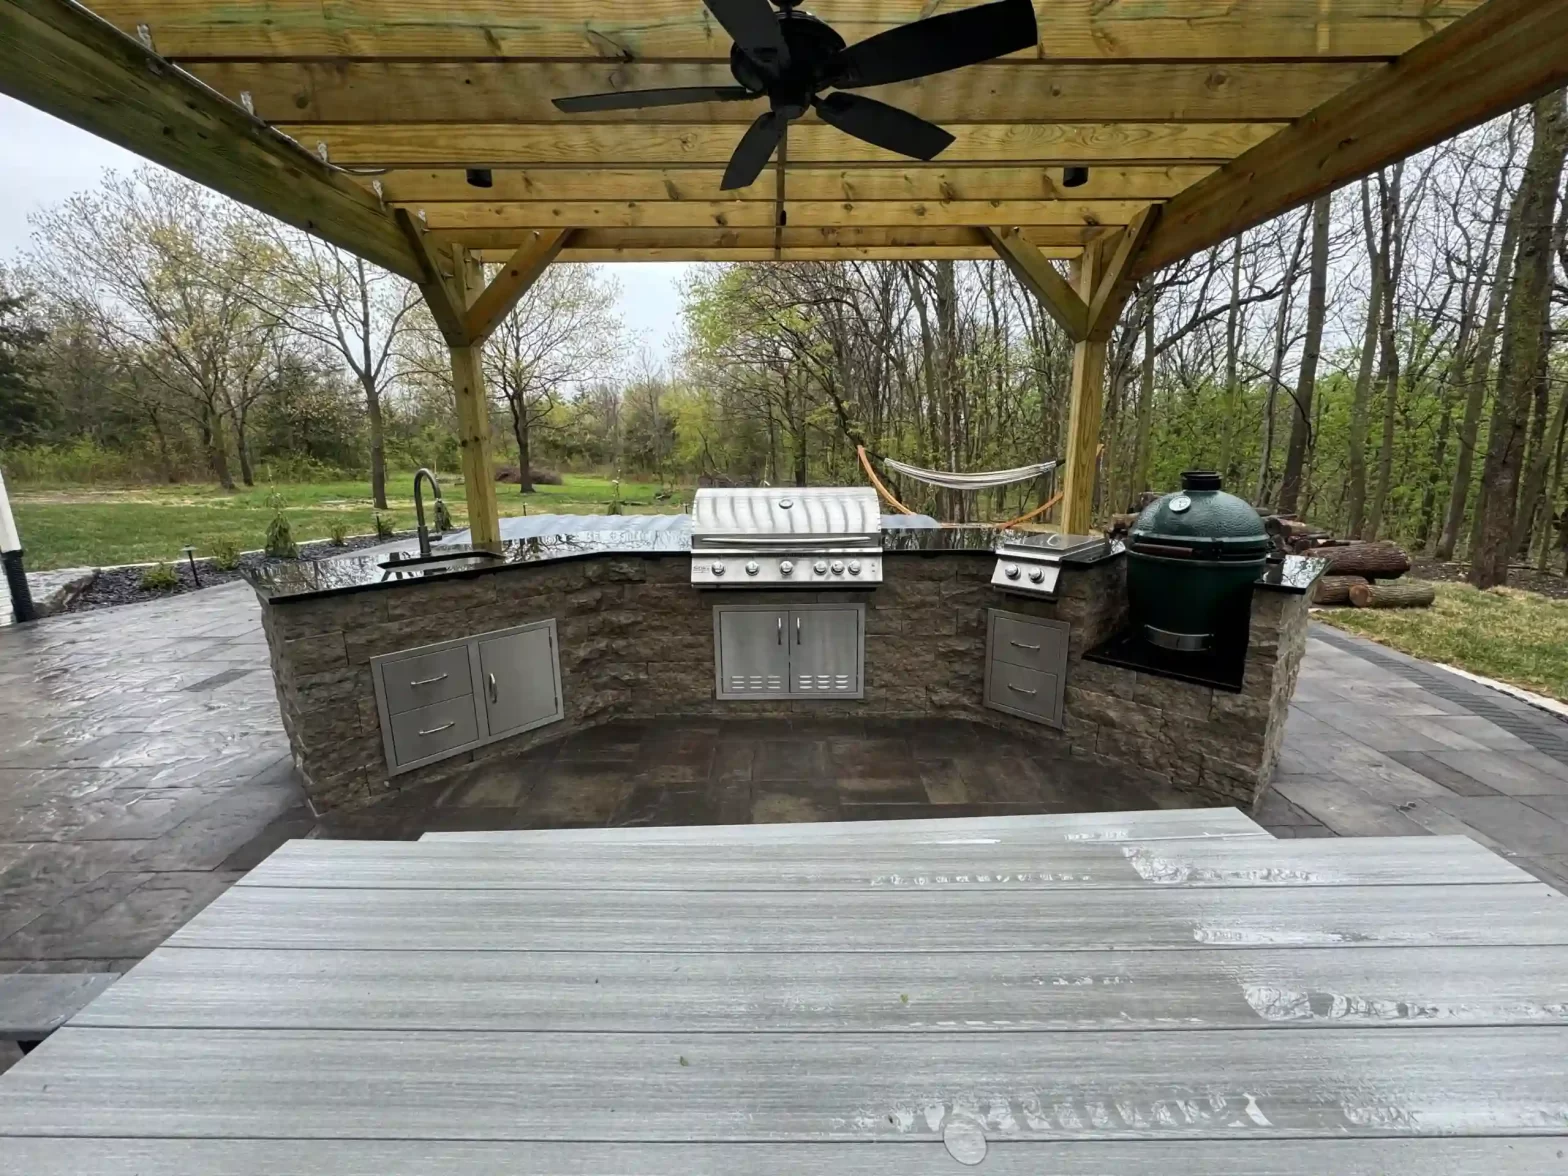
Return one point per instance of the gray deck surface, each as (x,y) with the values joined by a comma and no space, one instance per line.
(1140,994)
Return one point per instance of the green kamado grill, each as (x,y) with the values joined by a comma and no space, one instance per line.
(1192,558)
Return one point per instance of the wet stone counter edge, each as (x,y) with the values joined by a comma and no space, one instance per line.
(276,583)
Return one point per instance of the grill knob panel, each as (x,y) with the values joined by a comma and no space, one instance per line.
(854,567)
(753,568)
(786,567)
(1011,571)
(718,568)
(820,567)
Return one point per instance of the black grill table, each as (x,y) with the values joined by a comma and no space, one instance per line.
(1136,993)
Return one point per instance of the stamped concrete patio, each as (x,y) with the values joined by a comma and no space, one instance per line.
(143,768)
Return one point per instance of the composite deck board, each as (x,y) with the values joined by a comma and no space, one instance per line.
(358,1157)
(899,992)
(954,919)
(1134,825)
(773,1087)
(968,862)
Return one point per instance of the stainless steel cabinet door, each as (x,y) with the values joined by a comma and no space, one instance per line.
(519,683)
(754,652)
(824,653)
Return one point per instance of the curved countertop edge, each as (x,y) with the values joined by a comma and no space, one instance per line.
(282,583)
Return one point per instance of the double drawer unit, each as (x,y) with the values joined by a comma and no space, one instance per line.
(439,700)
(1026,666)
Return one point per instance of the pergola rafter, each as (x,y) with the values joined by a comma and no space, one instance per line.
(361,123)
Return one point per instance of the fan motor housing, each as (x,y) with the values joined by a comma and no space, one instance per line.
(811,43)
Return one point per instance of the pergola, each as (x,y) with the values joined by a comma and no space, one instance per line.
(360,120)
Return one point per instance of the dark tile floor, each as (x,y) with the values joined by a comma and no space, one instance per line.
(698,773)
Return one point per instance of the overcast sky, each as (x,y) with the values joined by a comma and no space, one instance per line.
(43,160)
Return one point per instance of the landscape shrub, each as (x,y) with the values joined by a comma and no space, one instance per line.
(339,534)
(160,577)
(225,554)
(509,475)
(383,525)
(280,537)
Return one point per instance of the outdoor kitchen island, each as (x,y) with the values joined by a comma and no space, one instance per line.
(615,630)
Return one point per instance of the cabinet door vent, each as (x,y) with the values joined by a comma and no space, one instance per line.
(756,683)
(823,683)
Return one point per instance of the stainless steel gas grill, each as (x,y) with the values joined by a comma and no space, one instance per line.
(757,538)
(1031,564)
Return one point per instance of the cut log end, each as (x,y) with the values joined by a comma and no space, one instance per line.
(1373,561)
(1403,594)
(1336,589)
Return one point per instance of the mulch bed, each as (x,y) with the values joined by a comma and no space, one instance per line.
(114,586)
(1546,583)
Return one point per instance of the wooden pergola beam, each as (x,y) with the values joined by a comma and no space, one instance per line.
(63,59)
(1503,54)
(520,272)
(1042,279)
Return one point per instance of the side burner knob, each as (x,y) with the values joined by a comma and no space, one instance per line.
(1011,571)
(718,568)
(1036,575)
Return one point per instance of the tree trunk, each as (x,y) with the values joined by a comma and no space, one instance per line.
(1357,491)
(242,447)
(1335,589)
(1445,425)
(1232,363)
(218,450)
(1373,561)
(525,473)
(1312,349)
(1476,383)
(1401,594)
(1534,499)
(1388,363)
(378,442)
(1523,337)
(1145,409)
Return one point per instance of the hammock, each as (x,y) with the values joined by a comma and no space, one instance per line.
(988,481)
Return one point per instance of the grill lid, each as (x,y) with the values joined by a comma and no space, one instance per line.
(1200,522)
(784,513)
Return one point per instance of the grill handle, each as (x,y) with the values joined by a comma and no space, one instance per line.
(797,630)
(781,630)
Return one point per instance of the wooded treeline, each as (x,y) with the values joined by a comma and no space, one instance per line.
(1388,363)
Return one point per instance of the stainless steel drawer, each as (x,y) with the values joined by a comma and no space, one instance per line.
(431,730)
(425,678)
(1031,693)
(1035,645)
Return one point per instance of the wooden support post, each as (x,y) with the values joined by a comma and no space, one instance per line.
(1088,396)
(473,412)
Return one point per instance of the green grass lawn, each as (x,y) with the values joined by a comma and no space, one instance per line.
(98,526)
(1516,637)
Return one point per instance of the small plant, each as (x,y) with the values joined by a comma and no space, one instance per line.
(225,554)
(383,525)
(339,534)
(159,577)
(280,537)
(443,517)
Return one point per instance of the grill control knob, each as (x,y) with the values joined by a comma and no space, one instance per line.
(718,568)
(753,568)
(854,567)
(820,568)
(786,567)
(1011,571)
(838,567)
(1036,575)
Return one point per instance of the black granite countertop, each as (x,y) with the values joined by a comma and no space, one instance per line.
(306,581)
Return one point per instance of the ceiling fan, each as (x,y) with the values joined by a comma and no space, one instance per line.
(791,56)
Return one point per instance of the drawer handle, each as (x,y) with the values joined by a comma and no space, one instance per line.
(1021,690)
(441,728)
(490,683)
(429,681)
(1021,645)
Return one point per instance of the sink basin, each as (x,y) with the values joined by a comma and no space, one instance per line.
(435,565)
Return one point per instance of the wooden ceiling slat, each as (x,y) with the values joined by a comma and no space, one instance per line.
(795,237)
(1070,29)
(915,182)
(756,214)
(832,253)
(477,92)
(607,145)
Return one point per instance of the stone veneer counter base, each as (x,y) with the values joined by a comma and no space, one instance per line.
(636,641)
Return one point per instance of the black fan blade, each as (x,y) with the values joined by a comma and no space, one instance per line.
(755,149)
(884,125)
(636,99)
(936,44)
(754,26)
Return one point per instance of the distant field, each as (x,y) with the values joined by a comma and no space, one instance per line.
(1511,636)
(98,526)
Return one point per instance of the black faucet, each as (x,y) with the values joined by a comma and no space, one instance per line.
(419,508)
